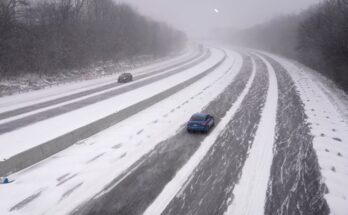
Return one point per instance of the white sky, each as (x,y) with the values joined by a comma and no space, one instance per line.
(197,17)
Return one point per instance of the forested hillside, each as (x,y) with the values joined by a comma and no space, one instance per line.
(317,37)
(48,36)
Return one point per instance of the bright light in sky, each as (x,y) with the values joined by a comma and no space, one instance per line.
(211,14)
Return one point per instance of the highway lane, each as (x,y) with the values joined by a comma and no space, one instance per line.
(136,191)
(46,114)
(209,189)
(142,75)
(295,185)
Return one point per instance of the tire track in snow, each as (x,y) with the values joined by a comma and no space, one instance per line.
(295,185)
(209,188)
(70,191)
(144,182)
(27,200)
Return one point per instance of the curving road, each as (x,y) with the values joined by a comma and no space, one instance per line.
(209,188)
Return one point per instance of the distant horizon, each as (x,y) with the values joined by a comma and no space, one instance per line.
(198,18)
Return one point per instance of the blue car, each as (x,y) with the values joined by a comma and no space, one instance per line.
(200,122)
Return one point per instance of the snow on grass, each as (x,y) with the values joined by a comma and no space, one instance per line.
(53,92)
(327,111)
(173,187)
(60,183)
(249,194)
(40,132)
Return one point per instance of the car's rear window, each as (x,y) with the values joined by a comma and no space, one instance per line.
(198,117)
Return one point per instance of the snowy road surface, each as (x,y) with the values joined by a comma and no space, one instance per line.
(40,132)
(279,145)
(13,119)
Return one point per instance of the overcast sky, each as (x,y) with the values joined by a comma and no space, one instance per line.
(197,17)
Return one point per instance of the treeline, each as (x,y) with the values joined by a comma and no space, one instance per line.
(48,36)
(317,37)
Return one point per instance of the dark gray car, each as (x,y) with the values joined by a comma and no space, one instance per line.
(125,77)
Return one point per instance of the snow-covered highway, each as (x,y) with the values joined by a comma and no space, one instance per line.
(20,117)
(79,116)
(266,154)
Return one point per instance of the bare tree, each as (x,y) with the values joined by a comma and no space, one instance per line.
(317,37)
(63,34)
(323,37)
